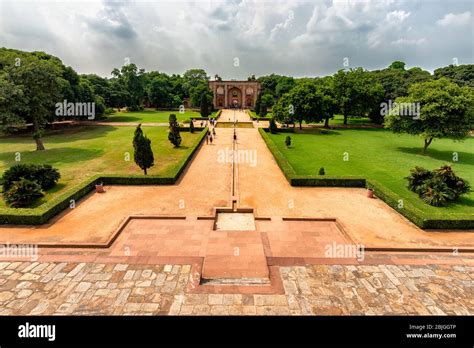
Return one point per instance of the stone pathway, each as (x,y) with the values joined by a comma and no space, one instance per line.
(33,288)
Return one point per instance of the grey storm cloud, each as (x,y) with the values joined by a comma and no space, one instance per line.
(112,21)
(298,37)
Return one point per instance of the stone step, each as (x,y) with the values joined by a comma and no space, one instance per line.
(224,124)
(235,255)
(237,281)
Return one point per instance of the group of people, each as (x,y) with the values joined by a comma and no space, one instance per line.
(211,133)
(212,122)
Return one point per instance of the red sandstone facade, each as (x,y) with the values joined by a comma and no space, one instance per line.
(240,94)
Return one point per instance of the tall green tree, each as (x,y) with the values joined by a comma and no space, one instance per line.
(395,80)
(39,83)
(358,93)
(100,86)
(327,95)
(284,85)
(205,112)
(173,136)
(398,65)
(191,79)
(463,75)
(130,77)
(283,110)
(446,111)
(197,92)
(258,103)
(159,92)
(137,135)
(302,103)
(266,102)
(143,153)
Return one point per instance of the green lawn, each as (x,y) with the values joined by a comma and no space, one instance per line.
(150,116)
(81,152)
(381,155)
(336,121)
(339,120)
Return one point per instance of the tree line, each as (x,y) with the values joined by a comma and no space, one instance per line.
(407,101)
(31,83)
(352,92)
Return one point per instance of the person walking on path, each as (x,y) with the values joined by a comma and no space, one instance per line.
(210,139)
(207,139)
(214,131)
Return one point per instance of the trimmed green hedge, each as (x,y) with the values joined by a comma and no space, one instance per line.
(280,130)
(412,213)
(187,129)
(36,216)
(281,160)
(418,217)
(40,215)
(256,117)
(327,181)
(286,130)
(200,118)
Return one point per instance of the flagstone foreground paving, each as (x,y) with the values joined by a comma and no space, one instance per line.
(68,288)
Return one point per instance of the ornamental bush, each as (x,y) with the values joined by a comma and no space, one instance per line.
(435,192)
(45,175)
(437,187)
(417,177)
(22,193)
(454,182)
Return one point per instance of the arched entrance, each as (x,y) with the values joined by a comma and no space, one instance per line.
(229,94)
(234,97)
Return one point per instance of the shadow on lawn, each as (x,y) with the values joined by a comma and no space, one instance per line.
(63,135)
(52,156)
(184,147)
(316,131)
(123,119)
(78,133)
(464,201)
(39,201)
(447,156)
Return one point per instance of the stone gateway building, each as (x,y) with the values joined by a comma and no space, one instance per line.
(229,94)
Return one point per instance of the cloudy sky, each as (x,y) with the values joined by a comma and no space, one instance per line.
(237,38)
